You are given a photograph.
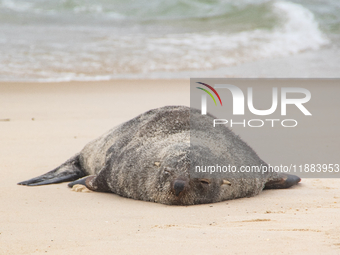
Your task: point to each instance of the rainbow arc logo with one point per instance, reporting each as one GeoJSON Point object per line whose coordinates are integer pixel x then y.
{"type": "Point", "coordinates": [209, 93]}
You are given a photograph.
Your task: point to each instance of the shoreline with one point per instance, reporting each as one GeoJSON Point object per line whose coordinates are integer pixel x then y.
{"type": "Point", "coordinates": [323, 63]}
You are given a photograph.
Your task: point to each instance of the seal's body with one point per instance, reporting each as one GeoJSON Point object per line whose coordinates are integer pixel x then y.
{"type": "Point", "coordinates": [150, 158]}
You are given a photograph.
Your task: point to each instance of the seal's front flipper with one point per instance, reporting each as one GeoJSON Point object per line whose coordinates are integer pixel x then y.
{"type": "Point", "coordinates": [81, 181]}
{"type": "Point", "coordinates": [88, 182]}
{"type": "Point", "coordinates": [93, 182]}
{"type": "Point", "coordinates": [69, 171]}
{"type": "Point", "coordinates": [285, 182]}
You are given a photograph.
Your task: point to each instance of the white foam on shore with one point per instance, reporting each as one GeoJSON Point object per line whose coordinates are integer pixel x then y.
{"type": "Point", "coordinates": [297, 32]}
{"type": "Point", "coordinates": [115, 56]}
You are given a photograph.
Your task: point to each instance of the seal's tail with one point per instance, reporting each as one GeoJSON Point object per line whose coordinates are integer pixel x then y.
{"type": "Point", "coordinates": [285, 181]}
{"type": "Point", "coordinates": [69, 171]}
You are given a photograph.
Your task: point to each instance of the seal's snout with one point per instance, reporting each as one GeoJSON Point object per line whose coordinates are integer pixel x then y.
{"type": "Point", "coordinates": [179, 186]}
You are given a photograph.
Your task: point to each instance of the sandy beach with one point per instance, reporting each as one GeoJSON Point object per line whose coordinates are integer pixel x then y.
{"type": "Point", "coordinates": [42, 125]}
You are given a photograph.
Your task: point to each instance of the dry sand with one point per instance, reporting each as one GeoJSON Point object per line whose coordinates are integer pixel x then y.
{"type": "Point", "coordinates": [48, 123]}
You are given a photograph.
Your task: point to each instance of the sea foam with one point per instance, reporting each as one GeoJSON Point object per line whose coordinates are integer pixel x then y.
{"type": "Point", "coordinates": [78, 50]}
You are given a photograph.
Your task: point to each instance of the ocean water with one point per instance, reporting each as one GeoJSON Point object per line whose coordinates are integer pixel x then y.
{"type": "Point", "coordinates": [62, 40]}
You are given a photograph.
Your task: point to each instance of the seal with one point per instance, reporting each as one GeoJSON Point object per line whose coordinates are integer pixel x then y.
{"type": "Point", "coordinates": [151, 158]}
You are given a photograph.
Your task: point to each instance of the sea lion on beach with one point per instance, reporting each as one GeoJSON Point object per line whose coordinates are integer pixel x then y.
{"type": "Point", "coordinates": [150, 158]}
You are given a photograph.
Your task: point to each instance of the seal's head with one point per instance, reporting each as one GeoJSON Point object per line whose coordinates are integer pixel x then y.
{"type": "Point", "coordinates": [176, 187]}
{"type": "Point", "coordinates": [180, 189]}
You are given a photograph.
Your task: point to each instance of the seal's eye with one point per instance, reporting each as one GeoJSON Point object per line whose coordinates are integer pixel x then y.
{"type": "Point", "coordinates": [167, 171]}
{"type": "Point", "coordinates": [205, 181]}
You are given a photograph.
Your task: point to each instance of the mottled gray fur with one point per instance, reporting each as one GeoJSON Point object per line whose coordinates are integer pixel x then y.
{"type": "Point", "coordinates": [146, 157]}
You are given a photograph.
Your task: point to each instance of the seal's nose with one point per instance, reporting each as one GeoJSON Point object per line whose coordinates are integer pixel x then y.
{"type": "Point", "coordinates": [179, 186]}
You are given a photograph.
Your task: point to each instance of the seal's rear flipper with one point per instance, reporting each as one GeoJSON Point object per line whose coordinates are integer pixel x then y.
{"type": "Point", "coordinates": [286, 181]}
{"type": "Point", "coordinates": [69, 171]}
